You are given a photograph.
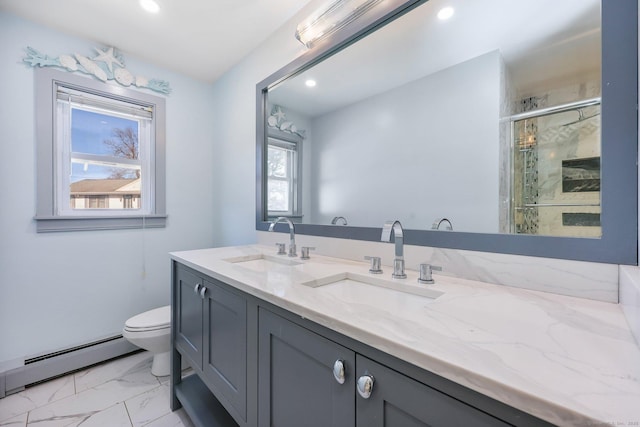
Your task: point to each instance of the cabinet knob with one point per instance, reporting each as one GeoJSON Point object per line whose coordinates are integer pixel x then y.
{"type": "Point", "coordinates": [197, 288]}
{"type": "Point", "coordinates": [203, 291]}
{"type": "Point", "coordinates": [365, 386]}
{"type": "Point", "coordinates": [338, 371]}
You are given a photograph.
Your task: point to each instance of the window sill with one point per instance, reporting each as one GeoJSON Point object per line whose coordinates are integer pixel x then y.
{"type": "Point", "coordinates": [86, 223]}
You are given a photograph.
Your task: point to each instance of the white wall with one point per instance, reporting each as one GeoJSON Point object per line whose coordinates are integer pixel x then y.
{"type": "Point", "coordinates": [399, 147]}
{"type": "Point", "coordinates": [234, 97]}
{"type": "Point", "coordinates": [61, 289]}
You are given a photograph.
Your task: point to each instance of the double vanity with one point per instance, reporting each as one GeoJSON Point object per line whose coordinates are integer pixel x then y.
{"type": "Point", "coordinates": [278, 340]}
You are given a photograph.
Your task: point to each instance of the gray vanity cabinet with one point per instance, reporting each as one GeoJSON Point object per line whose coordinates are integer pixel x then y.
{"type": "Point", "coordinates": [296, 383]}
{"type": "Point", "coordinates": [260, 365]}
{"type": "Point", "coordinates": [225, 345]}
{"type": "Point", "coordinates": [399, 401]}
{"type": "Point", "coordinates": [211, 332]}
{"type": "Point", "coordinates": [297, 386]}
{"type": "Point", "coordinates": [190, 309]}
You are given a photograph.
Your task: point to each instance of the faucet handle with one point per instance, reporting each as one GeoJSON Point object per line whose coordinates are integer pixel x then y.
{"type": "Point", "coordinates": [305, 252]}
{"type": "Point", "coordinates": [281, 250]}
{"type": "Point", "coordinates": [398, 268]}
{"type": "Point", "coordinates": [375, 267]}
{"type": "Point", "coordinates": [425, 273]}
{"type": "Point", "coordinates": [292, 250]}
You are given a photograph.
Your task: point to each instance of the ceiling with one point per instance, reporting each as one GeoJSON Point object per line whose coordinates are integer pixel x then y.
{"type": "Point", "coordinates": [199, 38]}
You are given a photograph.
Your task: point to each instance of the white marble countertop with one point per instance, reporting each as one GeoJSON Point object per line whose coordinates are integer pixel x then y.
{"type": "Point", "coordinates": [570, 361]}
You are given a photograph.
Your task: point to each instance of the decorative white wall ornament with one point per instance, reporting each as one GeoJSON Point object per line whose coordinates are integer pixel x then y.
{"type": "Point", "coordinates": [278, 120]}
{"type": "Point", "coordinates": [107, 65]}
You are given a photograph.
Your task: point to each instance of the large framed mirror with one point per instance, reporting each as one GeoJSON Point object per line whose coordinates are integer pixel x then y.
{"type": "Point", "coordinates": [510, 127]}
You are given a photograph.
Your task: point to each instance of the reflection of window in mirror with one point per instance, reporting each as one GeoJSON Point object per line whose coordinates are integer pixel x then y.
{"type": "Point", "coordinates": [283, 177]}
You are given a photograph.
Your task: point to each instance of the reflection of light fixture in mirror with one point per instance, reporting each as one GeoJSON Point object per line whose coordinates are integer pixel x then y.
{"type": "Point", "coordinates": [445, 13]}
{"type": "Point", "coordinates": [334, 16]}
{"type": "Point", "coordinates": [150, 6]}
{"type": "Point", "coordinates": [310, 83]}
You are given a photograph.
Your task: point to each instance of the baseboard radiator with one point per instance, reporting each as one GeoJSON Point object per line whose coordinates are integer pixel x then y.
{"type": "Point", "coordinates": [57, 363]}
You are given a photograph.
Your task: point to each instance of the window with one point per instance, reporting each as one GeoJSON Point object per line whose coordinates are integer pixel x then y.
{"type": "Point", "coordinates": [96, 202]}
{"type": "Point", "coordinates": [104, 149]}
{"type": "Point", "coordinates": [283, 183]}
{"type": "Point", "coordinates": [128, 201]}
{"type": "Point", "coordinates": [100, 155]}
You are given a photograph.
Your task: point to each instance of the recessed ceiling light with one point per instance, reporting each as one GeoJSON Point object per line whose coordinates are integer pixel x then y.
{"type": "Point", "coordinates": [445, 13]}
{"type": "Point", "coordinates": [150, 6]}
{"type": "Point", "coordinates": [310, 83]}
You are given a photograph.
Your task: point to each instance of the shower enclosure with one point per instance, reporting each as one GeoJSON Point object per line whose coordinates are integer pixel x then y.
{"type": "Point", "coordinates": [555, 170]}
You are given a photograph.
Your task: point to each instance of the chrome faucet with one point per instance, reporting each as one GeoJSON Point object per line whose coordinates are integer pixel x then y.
{"type": "Point", "coordinates": [398, 261]}
{"type": "Point", "coordinates": [292, 234]}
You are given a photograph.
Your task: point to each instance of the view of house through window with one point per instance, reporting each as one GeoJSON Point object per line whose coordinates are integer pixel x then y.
{"type": "Point", "coordinates": [102, 155]}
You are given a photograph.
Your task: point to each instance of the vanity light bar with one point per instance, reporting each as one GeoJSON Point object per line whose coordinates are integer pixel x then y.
{"type": "Point", "coordinates": [331, 18]}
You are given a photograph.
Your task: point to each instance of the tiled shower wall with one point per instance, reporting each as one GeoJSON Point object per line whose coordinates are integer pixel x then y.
{"type": "Point", "coordinates": [538, 169]}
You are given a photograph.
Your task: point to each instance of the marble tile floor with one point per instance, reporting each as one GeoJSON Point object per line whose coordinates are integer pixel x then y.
{"type": "Point", "coordinates": [120, 392]}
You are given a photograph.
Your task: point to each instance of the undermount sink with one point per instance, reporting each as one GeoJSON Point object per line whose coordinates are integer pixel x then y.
{"type": "Point", "coordinates": [357, 288]}
{"type": "Point", "coordinates": [262, 262]}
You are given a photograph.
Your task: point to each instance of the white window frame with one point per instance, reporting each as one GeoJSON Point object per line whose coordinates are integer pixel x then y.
{"type": "Point", "coordinates": [68, 100]}
{"type": "Point", "coordinates": [53, 211]}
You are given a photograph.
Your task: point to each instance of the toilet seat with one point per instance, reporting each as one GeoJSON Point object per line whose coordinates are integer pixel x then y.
{"type": "Point", "coordinates": [152, 320]}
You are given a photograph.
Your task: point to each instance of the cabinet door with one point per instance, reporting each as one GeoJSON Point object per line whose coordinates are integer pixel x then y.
{"type": "Point", "coordinates": [189, 320]}
{"type": "Point", "coordinates": [296, 383]}
{"type": "Point", "coordinates": [225, 346]}
{"type": "Point", "coordinates": [399, 401]}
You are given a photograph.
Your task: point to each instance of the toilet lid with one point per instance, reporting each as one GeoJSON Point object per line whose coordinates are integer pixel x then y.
{"type": "Point", "coordinates": [152, 319]}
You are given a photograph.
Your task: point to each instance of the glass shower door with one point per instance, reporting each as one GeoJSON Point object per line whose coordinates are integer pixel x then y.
{"type": "Point", "coordinates": [556, 172]}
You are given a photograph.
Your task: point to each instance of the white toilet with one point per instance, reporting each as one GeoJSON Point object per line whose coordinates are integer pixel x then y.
{"type": "Point", "coordinates": [151, 331]}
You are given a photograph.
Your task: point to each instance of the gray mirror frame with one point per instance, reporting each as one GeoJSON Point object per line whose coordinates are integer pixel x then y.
{"type": "Point", "coordinates": [619, 184]}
